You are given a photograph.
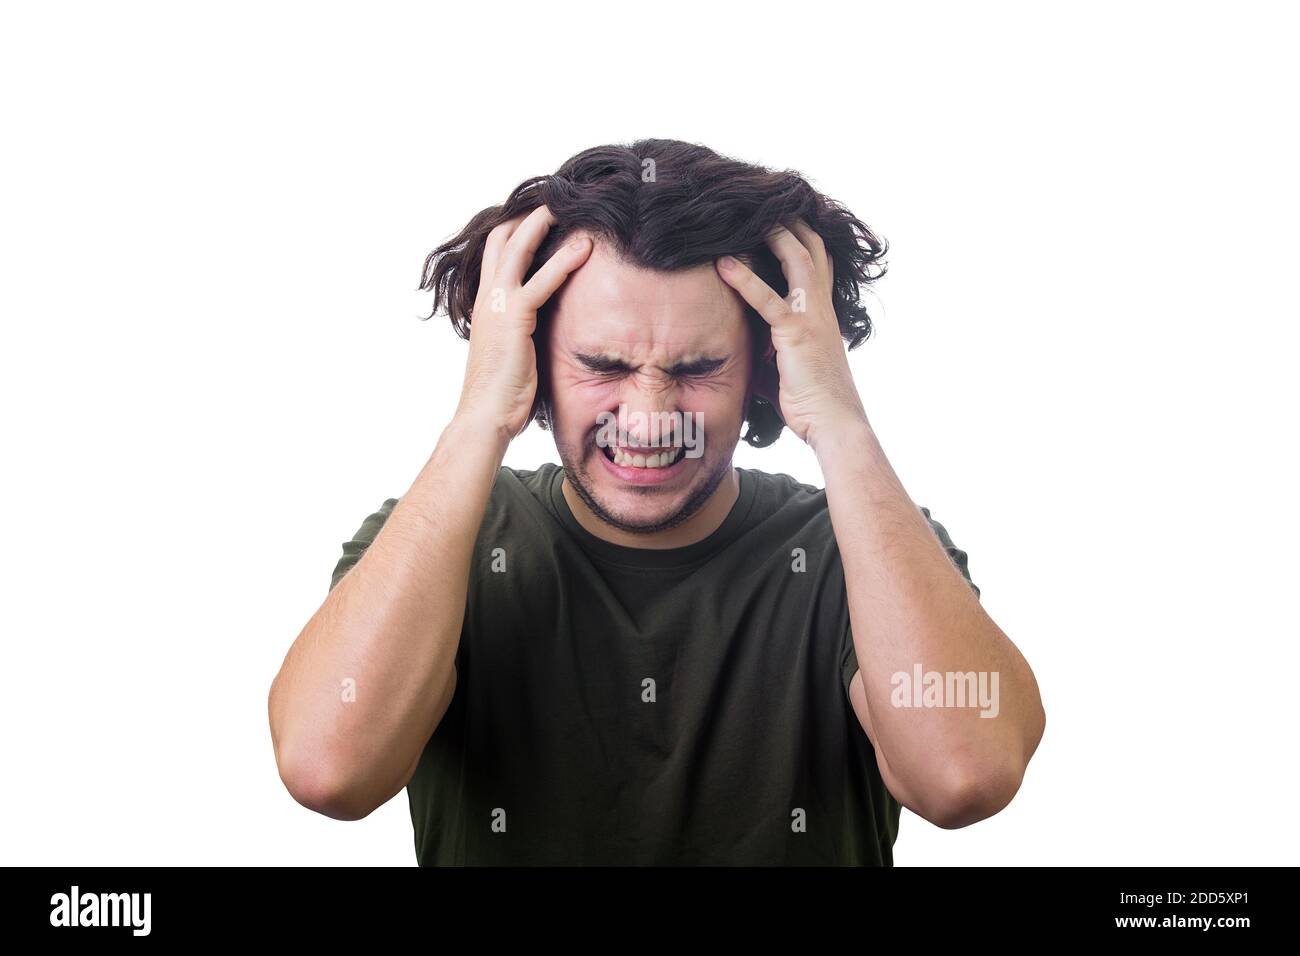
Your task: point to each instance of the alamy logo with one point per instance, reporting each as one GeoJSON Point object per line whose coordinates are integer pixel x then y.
{"type": "Point", "coordinates": [653, 430]}
{"type": "Point", "coordinates": [946, 689]}
{"type": "Point", "coordinates": [101, 909]}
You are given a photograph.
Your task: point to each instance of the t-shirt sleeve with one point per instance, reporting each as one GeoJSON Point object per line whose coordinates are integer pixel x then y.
{"type": "Point", "coordinates": [957, 555]}
{"type": "Point", "coordinates": [848, 657]}
{"type": "Point", "coordinates": [354, 549]}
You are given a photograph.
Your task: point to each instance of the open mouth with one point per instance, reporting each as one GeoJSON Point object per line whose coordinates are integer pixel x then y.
{"type": "Point", "coordinates": [643, 457]}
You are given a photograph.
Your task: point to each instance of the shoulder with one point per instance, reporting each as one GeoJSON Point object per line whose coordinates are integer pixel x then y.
{"type": "Point", "coordinates": [535, 481]}
{"type": "Point", "coordinates": [781, 483]}
{"type": "Point", "coordinates": [516, 492]}
{"type": "Point", "coordinates": [782, 498]}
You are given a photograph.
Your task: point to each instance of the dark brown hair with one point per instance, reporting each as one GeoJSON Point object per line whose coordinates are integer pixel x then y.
{"type": "Point", "coordinates": [666, 205]}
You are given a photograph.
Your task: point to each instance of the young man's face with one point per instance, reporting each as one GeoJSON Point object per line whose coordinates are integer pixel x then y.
{"type": "Point", "coordinates": [649, 342]}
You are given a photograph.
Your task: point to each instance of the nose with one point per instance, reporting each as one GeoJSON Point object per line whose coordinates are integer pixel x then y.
{"type": "Point", "coordinates": [650, 401]}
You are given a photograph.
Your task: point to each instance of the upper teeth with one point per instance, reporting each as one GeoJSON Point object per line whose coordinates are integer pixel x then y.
{"type": "Point", "coordinates": [639, 460]}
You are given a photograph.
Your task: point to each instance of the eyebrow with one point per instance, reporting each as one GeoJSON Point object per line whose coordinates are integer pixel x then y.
{"type": "Point", "coordinates": [609, 363]}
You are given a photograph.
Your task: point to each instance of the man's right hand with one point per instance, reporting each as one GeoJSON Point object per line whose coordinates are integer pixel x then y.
{"type": "Point", "coordinates": [501, 371]}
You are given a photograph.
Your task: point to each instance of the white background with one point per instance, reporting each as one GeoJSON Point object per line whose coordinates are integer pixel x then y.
{"type": "Point", "coordinates": [213, 221]}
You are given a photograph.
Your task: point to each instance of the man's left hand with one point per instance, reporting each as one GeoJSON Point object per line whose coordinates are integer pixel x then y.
{"type": "Point", "coordinates": [817, 396]}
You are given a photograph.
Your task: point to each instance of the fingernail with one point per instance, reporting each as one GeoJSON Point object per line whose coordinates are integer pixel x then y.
{"type": "Point", "coordinates": [726, 262]}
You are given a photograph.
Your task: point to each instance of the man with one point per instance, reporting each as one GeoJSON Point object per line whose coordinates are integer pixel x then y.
{"type": "Point", "coordinates": [647, 655]}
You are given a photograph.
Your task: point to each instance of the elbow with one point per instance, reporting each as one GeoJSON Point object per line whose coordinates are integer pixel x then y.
{"type": "Point", "coordinates": [313, 783]}
{"type": "Point", "coordinates": [975, 794]}
{"type": "Point", "coordinates": [311, 776]}
{"type": "Point", "coordinates": [977, 790]}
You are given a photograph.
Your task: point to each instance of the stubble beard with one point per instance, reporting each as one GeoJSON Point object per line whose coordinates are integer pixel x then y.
{"type": "Point", "coordinates": [575, 470]}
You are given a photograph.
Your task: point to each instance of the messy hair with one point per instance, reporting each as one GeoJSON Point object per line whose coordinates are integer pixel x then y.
{"type": "Point", "coordinates": [665, 205]}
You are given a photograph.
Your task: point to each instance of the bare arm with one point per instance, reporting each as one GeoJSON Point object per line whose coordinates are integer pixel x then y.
{"type": "Point", "coordinates": [909, 606]}
{"type": "Point", "coordinates": [392, 625]}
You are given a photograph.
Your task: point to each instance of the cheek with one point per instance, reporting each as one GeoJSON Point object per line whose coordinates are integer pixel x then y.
{"type": "Point", "coordinates": [580, 401]}
{"type": "Point", "coordinates": [718, 403]}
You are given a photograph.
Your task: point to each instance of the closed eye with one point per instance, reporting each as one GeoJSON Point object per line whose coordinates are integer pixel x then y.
{"type": "Point", "coordinates": [697, 369]}
{"type": "Point", "coordinates": [602, 365]}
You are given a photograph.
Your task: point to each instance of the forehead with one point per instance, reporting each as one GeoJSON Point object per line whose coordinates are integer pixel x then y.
{"type": "Point", "coordinates": [609, 307]}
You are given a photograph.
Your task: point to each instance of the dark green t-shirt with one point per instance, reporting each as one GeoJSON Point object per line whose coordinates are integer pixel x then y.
{"type": "Point", "coordinates": [619, 705]}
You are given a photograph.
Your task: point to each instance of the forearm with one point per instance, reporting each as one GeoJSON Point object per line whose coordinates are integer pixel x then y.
{"type": "Point", "coordinates": [389, 630]}
{"type": "Point", "coordinates": [909, 605]}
